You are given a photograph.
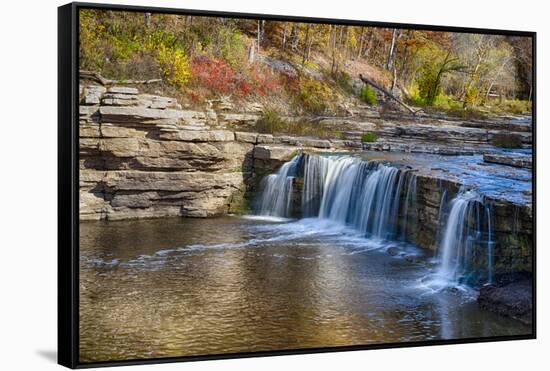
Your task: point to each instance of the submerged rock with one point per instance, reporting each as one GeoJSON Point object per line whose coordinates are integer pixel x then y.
{"type": "Point", "coordinates": [513, 299]}
{"type": "Point", "coordinates": [393, 250]}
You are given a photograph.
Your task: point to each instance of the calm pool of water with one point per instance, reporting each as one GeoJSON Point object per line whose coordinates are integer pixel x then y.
{"type": "Point", "coordinates": [177, 287]}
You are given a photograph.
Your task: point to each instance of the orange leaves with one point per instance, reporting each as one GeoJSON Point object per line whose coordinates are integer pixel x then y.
{"type": "Point", "coordinates": [219, 77]}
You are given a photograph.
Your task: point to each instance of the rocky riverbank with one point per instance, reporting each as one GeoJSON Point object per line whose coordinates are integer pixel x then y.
{"type": "Point", "coordinates": [144, 155]}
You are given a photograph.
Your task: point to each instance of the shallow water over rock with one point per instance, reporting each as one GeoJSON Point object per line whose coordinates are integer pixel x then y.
{"type": "Point", "coordinates": [176, 287]}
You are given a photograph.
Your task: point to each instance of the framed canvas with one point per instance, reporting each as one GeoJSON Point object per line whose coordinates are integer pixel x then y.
{"type": "Point", "coordinates": [237, 185]}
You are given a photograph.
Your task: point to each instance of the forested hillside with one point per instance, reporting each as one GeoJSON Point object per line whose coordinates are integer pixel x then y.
{"type": "Point", "coordinates": [309, 68]}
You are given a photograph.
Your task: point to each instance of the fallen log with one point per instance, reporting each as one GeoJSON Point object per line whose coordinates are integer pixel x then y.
{"type": "Point", "coordinates": [103, 81]}
{"type": "Point", "coordinates": [384, 91]}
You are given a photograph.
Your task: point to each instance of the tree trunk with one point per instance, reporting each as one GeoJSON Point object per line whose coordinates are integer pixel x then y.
{"type": "Point", "coordinates": [294, 37]}
{"type": "Point", "coordinates": [389, 62]}
{"type": "Point", "coordinates": [360, 43]}
{"type": "Point", "coordinates": [91, 75]}
{"type": "Point", "coordinates": [306, 43]}
{"type": "Point", "coordinates": [369, 42]}
{"type": "Point", "coordinates": [259, 35]}
{"type": "Point", "coordinates": [283, 43]}
{"type": "Point", "coordinates": [251, 52]}
{"type": "Point", "coordinates": [366, 80]}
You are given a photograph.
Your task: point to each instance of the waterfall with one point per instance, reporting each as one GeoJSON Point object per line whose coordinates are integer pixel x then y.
{"type": "Point", "coordinates": [277, 190]}
{"type": "Point", "coordinates": [364, 195]}
{"type": "Point", "coordinates": [466, 226]}
{"type": "Point", "coordinates": [315, 172]}
{"type": "Point", "coordinates": [490, 243]}
{"type": "Point", "coordinates": [379, 201]}
{"type": "Point", "coordinates": [410, 206]}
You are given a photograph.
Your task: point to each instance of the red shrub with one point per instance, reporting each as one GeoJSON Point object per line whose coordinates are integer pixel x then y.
{"type": "Point", "coordinates": [265, 81]}
{"type": "Point", "coordinates": [218, 76]}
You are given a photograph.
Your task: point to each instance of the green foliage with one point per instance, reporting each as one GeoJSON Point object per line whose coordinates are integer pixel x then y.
{"type": "Point", "coordinates": [314, 96]}
{"type": "Point", "coordinates": [414, 97]}
{"type": "Point", "coordinates": [471, 95]}
{"type": "Point", "coordinates": [368, 95]}
{"type": "Point", "coordinates": [446, 102]}
{"type": "Point", "coordinates": [271, 122]}
{"type": "Point", "coordinates": [443, 67]}
{"type": "Point", "coordinates": [369, 137]}
{"type": "Point", "coordinates": [343, 80]}
{"type": "Point", "coordinates": [468, 113]}
{"type": "Point", "coordinates": [515, 106]}
{"type": "Point", "coordinates": [428, 86]}
{"type": "Point", "coordinates": [507, 141]}
{"type": "Point", "coordinates": [92, 56]}
{"type": "Point", "coordinates": [232, 47]}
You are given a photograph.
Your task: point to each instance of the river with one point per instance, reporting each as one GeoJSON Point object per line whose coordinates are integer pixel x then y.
{"type": "Point", "coordinates": [179, 287]}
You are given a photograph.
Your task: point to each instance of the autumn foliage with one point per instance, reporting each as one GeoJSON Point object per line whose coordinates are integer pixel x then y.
{"type": "Point", "coordinates": [312, 68]}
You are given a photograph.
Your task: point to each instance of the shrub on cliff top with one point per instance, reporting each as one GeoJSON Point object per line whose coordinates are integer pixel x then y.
{"type": "Point", "coordinates": [271, 122]}
{"type": "Point", "coordinates": [313, 96]}
{"type": "Point", "coordinates": [369, 137]}
{"type": "Point", "coordinates": [368, 95]}
{"type": "Point", "coordinates": [218, 76]}
{"type": "Point", "coordinates": [174, 65]}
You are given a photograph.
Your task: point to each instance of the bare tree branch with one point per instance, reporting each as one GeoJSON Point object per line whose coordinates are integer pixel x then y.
{"type": "Point", "coordinates": [368, 81]}
{"type": "Point", "coordinates": [103, 81]}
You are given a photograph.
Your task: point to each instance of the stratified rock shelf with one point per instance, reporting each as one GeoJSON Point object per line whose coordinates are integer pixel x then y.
{"type": "Point", "coordinates": [145, 156]}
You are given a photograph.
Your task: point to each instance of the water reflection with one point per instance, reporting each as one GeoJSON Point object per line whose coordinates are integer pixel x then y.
{"type": "Point", "coordinates": [175, 287]}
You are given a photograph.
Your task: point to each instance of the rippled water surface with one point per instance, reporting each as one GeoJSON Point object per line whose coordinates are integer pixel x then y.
{"type": "Point", "coordinates": [178, 287]}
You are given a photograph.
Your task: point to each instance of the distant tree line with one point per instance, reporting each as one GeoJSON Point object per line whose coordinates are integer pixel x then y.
{"type": "Point", "coordinates": [431, 68]}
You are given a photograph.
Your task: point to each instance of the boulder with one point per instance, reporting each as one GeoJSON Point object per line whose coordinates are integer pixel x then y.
{"type": "Point", "coordinates": [92, 94]}
{"type": "Point", "coordinates": [239, 118]}
{"type": "Point", "coordinates": [264, 138]}
{"type": "Point", "coordinates": [513, 300]}
{"type": "Point", "coordinates": [314, 143]}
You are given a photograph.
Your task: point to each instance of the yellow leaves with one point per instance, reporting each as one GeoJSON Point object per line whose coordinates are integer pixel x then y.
{"type": "Point", "coordinates": [174, 65]}
{"type": "Point", "coordinates": [314, 96]}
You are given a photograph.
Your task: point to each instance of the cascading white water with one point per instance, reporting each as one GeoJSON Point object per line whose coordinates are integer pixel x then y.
{"type": "Point", "coordinates": [410, 206]}
{"type": "Point", "coordinates": [367, 196]}
{"type": "Point", "coordinates": [380, 201]}
{"type": "Point", "coordinates": [364, 195]}
{"type": "Point", "coordinates": [315, 173]}
{"type": "Point", "coordinates": [276, 196]}
{"type": "Point", "coordinates": [490, 242]}
{"type": "Point", "coordinates": [465, 227]}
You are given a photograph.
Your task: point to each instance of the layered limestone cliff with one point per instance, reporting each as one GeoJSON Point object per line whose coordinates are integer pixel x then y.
{"type": "Point", "coordinates": [143, 155]}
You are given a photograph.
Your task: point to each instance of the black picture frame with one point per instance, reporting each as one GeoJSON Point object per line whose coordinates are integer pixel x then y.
{"type": "Point", "coordinates": [68, 183]}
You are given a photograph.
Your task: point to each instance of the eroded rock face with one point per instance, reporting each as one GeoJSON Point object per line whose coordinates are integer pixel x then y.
{"type": "Point", "coordinates": [142, 155]}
